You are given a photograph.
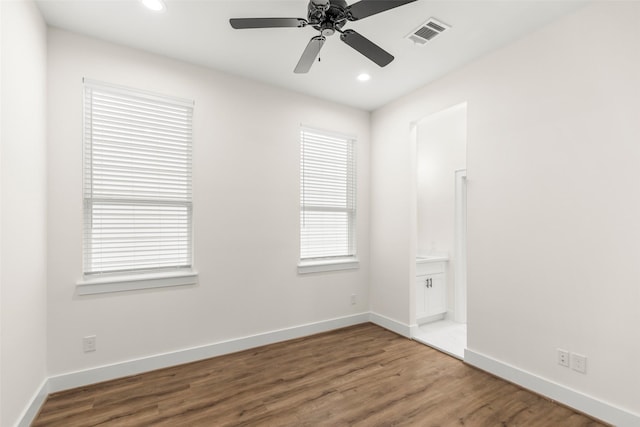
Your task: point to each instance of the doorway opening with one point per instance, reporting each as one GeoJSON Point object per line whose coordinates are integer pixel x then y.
{"type": "Point", "coordinates": [441, 314]}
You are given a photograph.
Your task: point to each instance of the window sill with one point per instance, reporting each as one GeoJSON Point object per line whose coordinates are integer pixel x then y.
{"type": "Point", "coordinates": [103, 285]}
{"type": "Point", "coordinates": [305, 267]}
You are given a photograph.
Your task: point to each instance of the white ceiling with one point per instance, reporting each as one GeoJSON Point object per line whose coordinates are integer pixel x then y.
{"type": "Point", "coordinates": [198, 31]}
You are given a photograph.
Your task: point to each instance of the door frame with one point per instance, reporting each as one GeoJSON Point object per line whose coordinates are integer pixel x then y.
{"type": "Point", "coordinates": [460, 247]}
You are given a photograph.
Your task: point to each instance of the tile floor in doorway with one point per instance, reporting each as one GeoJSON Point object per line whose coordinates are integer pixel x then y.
{"type": "Point", "coordinates": [444, 335]}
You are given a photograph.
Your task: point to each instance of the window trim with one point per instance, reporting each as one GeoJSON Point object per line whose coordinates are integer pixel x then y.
{"type": "Point", "coordinates": [319, 266]}
{"type": "Point", "coordinates": [132, 282]}
{"type": "Point", "coordinates": [99, 283]}
{"type": "Point", "coordinates": [335, 263]}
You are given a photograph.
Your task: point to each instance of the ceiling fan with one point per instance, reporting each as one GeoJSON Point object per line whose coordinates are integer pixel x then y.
{"type": "Point", "coordinates": [329, 16]}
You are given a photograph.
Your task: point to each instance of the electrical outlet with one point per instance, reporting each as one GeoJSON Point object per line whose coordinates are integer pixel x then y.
{"type": "Point", "coordinates": [563, 357]}
{"type": "Point", "coordinates": [89, 343]}
{"type": "Point", "coordinates": [579, 363]}
{"type": "Point", "coordinates": [353, 299]}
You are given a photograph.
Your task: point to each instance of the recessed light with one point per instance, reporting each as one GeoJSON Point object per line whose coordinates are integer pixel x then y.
{"type": "Point", "coordinates": [155, 5]}
{"type": "Point", "coordinates": [364, 77]}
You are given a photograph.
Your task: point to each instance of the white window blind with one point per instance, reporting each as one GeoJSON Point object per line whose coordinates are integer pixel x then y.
{"type": "Point", "coordinates": [328, 196]}
{"type": "Point", "coordinates": [137, 181]}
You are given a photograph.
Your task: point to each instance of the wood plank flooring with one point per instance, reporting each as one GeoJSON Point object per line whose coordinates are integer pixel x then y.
{"type": "Point", "coordinates": [358, 376]}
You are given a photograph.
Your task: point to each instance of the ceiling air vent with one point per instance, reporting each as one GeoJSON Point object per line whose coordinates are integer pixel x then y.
{"type": "Point", "coordinates": [427, 31]}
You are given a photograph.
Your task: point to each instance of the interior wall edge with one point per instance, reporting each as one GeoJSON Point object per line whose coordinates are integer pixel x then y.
{"type": "Point", "coordinates": [390, 324]}
{"type": "Point", "coordinates": [31, 411]}
{"type": "Point", "coordinates": [23, 285]}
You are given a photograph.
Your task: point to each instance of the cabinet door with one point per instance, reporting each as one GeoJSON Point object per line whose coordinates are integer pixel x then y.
{"type": "Point", "coordinates": [421, 296]}
{"type": "Point", "coordinates": [436, 295]}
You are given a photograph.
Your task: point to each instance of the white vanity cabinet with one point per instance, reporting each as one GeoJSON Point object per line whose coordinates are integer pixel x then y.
{"type": "Point", "coordinates": [431, 288]}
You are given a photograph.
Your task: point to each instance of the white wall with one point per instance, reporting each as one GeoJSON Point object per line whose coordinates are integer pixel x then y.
{"type": "Point", "coordinates": [553, 202]}
{"type": "Point", "coordinates": [23, 208]}
{"type": "Point", "coordinates": [246, 212]}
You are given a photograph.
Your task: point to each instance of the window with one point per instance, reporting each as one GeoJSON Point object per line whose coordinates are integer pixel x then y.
{"type": "Point", "coordinates": [328, 201]}
{"type": "Point", "coordinates": [137, 189]}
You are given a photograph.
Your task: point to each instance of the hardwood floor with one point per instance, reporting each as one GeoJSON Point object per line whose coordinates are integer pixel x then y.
{"type": "Point", "coordinates": [358, 376]}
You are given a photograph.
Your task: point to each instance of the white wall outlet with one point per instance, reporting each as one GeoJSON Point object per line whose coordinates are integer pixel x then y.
{"type": "Point", "coordinates": [563, 357]}
{"type": "Point", "coordinates": [579, 363]}
{"type": "Point", "coordinates": [89, 343]}
{"type": "Point", "coordinates": [353, 299]}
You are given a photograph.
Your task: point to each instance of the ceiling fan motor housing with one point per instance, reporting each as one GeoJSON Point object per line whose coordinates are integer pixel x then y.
{"type": "Point", "coordinates": [327, 16]}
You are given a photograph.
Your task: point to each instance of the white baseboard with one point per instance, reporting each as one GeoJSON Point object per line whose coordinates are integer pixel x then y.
{"type": "Point", "coordinates": [572, 398]}
{"type": "Point", "coordinates": [159, 361]}
{"type": "Point", "coordinates": [32, 410]}
{"type": "Point", "coordinates": [413, 330]}
{"type": "Point", "coordinates": [562, 394]}
{"type": "Point", "coordinates": [390, 324]}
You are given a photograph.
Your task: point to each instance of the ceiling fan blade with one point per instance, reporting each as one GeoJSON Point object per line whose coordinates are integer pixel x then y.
{"type": "Point", "coordinates": [244, 23]}
{"type": "Point", "coordinates": [365, 8]}
{"type": "Point", "coordinates": [309, 55]}
{"type": "Point", "coordinates": [366, 47]}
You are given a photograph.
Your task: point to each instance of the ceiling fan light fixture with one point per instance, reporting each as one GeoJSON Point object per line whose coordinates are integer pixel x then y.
{"type": "Point", "coordinates": [363, 77]}
{"type": "Point", "coordinates": [155, 5]}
